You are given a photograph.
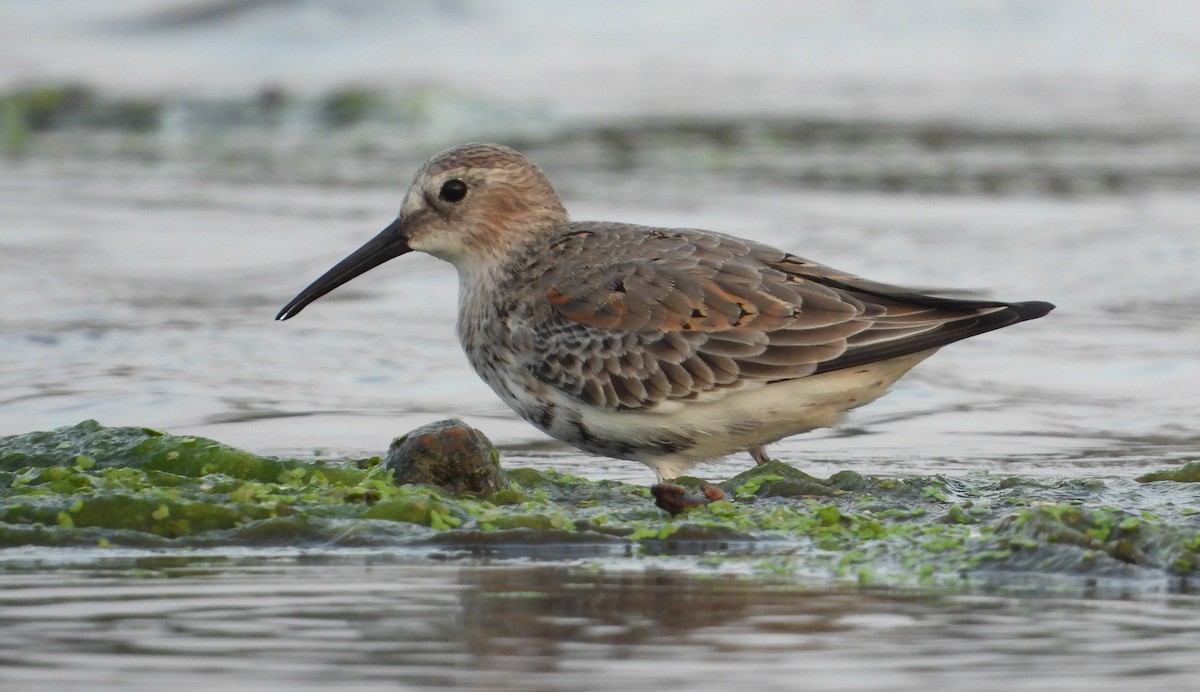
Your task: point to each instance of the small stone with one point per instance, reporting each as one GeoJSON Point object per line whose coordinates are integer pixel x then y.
{"type": "Point", "coordinates": [448, 454]}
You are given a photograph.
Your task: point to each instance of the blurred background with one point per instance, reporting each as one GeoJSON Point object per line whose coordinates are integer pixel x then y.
{"type": "Point", "coordinates": [172, 172]}
{"type": "Point", "coordinates": [175, 170]}
{"type": "Point", "coordinates": [992, 60]}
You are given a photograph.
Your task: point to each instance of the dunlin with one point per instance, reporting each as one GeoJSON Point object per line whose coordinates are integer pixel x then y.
{"type": "Point", "coordinates": [661, 345]}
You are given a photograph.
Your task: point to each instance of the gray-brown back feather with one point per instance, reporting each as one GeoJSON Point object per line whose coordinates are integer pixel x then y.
{"type": "Point", "coordinates": [627, 316]}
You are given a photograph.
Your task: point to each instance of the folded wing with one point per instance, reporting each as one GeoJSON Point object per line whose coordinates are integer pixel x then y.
{"type": "Point", "coordinates": [684, 315]}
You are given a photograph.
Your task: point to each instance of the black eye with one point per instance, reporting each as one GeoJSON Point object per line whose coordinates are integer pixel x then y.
{"type": "Point", "coordinates": [453, 190]}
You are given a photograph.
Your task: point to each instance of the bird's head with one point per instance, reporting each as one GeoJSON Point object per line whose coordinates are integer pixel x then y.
{"type": "Point", "coordinates": [471, 205]}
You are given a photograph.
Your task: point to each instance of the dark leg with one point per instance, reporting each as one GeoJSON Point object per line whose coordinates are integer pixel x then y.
{"type": "Point", "coordinates": [760, 455]}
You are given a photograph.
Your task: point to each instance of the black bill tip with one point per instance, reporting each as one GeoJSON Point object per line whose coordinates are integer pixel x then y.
{"type": "Point", "coordinates": [390, 243]}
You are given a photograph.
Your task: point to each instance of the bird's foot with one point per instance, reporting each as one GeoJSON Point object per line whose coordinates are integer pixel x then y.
{"type": "Point", "coordinates": [675, 499]}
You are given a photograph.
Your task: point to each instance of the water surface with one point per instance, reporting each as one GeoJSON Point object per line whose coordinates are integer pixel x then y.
{"type": "Point", "coordinates": [383, 622]}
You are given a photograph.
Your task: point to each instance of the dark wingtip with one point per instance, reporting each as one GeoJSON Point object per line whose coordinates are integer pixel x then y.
{"type": "Point", "coordinates": [950, 332]}
{"type": "Point", "coordinates": [1031, 310]}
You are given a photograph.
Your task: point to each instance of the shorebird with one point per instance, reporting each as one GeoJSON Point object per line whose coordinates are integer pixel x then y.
{"type": "Point", "coordinates": [665, 346]}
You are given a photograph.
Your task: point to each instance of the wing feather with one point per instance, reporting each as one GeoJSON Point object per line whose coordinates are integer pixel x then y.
{"type": "Point", "coordinates": [635, 316]}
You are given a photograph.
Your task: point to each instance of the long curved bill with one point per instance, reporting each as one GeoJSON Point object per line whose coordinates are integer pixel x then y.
{"type": "Point", "coordinates": [390, 243]}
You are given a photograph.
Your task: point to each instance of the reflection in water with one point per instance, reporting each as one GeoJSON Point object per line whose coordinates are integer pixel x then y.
{"type": "Point", "coordinates": [370, 621]}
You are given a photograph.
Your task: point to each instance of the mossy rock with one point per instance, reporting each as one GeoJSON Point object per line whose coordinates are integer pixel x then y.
{"type": "Point", "coordinates": [447, 454]}
{"type": "Point", "coordinates": [1188, 473]}
{"type": "Point", "coordinates": [777, 479]}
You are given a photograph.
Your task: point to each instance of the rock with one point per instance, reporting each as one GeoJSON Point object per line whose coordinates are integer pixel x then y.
{"type": "Point", "coordinates": [777, 479]}
{"type": "Point", "coordinates": [449, 454]}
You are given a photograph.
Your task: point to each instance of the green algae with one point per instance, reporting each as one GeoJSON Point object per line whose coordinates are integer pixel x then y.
{"type": "Point", "coordinates": [1188, 473]}
{"type": "Point", "coordinates": [90, 485]}
{"type": "Point", "coordinates": [349, 106]}
{"type": "Point", "coordinates": [46, 107]}
{"type": "Point", "coordinates": [915, 156]}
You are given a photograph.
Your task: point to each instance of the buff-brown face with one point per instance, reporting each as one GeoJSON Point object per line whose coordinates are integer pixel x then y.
{"type": "Point", "coordinates": [466, 205]}
{"type": "Point", "coordinates": [470, 206]}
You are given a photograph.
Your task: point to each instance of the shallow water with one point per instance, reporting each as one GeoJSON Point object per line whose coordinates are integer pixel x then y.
{"type": "Point", "coordinates": [384, 622]}
{"type": "Point", "coordinates": [139, 275]}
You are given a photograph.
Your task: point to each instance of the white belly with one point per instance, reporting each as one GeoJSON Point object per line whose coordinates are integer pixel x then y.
{"type": "Point", "coordinates": [731, 421]}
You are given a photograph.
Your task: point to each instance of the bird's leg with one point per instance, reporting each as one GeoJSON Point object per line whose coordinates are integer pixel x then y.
{"type": "Point", "coordinates": [760, 455]}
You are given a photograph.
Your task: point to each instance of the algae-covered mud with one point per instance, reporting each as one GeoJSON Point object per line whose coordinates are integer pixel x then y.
{"type": "Point", "coordinates": [97, 487]}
